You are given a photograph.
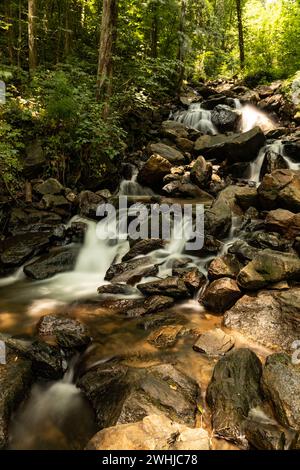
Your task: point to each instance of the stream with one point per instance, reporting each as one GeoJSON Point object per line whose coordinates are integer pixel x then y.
{"type": "Point", "coordinates": [56, 415]}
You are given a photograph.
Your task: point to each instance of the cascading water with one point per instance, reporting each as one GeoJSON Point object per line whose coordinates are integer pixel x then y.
{"type": "Point", "coordinates": [56, 415]}
{"type": "Point", "coordinates": [196, 118]}
{"type": "Point", "coordinates": [276, 147]}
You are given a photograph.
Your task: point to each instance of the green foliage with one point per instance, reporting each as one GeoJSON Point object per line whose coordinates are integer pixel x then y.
{"type": "Point", "coordinates": [10, 146]}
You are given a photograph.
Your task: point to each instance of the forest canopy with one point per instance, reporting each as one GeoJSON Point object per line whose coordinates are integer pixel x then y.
{"type": "Point", "coordinates": [76, 69]}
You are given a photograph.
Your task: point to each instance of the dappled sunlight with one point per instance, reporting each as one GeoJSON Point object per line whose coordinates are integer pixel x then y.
{"type": "Point", "coordinates": [252, 117]}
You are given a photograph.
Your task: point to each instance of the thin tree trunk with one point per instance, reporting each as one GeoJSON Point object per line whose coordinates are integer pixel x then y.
{"type": "Point", "coordinates": [241, 33]}
{"type": "Point", "coordinates": [106, 48]}
{"type": "Point", "coordinates": [154, 29]}
{"type": "Point", "coordinates": [182, 45]}
{"type": "Point", "coordinates": [10, 32]}
{"type": "Point", "coordinates": [32, 58]}
{"type": "Point", "coordinates": [19, 35]}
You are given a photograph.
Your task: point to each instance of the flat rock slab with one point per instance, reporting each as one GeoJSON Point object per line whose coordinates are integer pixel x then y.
{"type": "Point", "coordinates": [166, 336]}
{"type": "Point", "coordinates": [214, 343]}
{"type": "Point", "coordinates": [154, 432]}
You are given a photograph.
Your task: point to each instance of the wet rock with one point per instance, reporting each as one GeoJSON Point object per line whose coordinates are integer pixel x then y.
{"type": "Point", "coordinates": [281, 384]}
{"type": "Point", "coordinates": [67, 332]}
{"type": "Point", "coordinates": [201, 172]}
{"type": "Point", "coordinates": [188, 190]}
{"type": "Point", "coordinates": [233, 148]}
{"type": "Point", "coordinates": [214, 101]}
{"type": "Point", "coordinates": [116, 289]}
{"type": "Point", "coordinates": [26, 220]}
{"type": "Point", "coordinates": [284, 222]}
{"type": "Point", "coordinates": [18, 249]}
{"type": "Point", "coordinates": [262, 240]}
{"type": "Point", "coordinates": [234, 389]}
{"type": "Point", "coordinates": [192, 277]}
{"type": "Point", "coordinates": [143, 247]}
{"type": "Point", "coordinates": [122, 395]}
{"type": "Point", "coordinates": [46, 359]}
{"type": "Point", "coordinates": [105, 387]}
{"type": "Point", "coordinates": [15, 381]}
{"type": "Point", "coordinates": [221, 295]}
{"type": "Point", "coordinates": [272, 161]}
{"type": "Point", "coordinates": [174, 130]}
{"type": "Point", "coordinates": [224, 266]}
{"type": "Point", "coordinates": [166, 336]}
{"type": "Point", "coordinates": [271, 103]}
{"type": "Point", "coordinates": [185, 145]}
{"type": "Point", "coordinates": [171, 286]}
{"type": "Point", "coordinates": [263, 433]}
{"type": "Point", "coordinates": [89, 203]}
{"type": "Point", "coordinates": [153, 171]}
{"type": "Point", "coordinates": [268, 267]}
{"type": "Point", "coordinates": [168, 317]}
{"type": "Point", "coordinates": [214, 343]}
{"type": "Point", "coordinates": [131, 271]}
{"type": "Point", "coordinates": [243, 251]}
{"type": "Point", "coordinates": [154, 432]}
{"type": "Point", "coordinates": [50, 186]}
{"type": "Point", "coordinates": [155, 303]}
{"type": "Point", "coordinates": [247, 197]}
{"type": "Point", "coordinates": [169, 153]}
{"type": "Point", "coordinates": [55, 262]}
{"type": "Point", "coordinates": [269, 318]}
{"type": "Point", "coordinates": [218, 218]}
{"type": "Point", "coordinates": [225, 118]}
{"type": "Point", "coordinates": [280, 189]}
{"type": "Point", "coordinates": [34, 159]}
{"type": "Point", "coordinates": [55, 201]}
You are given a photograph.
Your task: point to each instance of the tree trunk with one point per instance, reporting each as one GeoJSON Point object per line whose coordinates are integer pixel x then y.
{"type": "Point", "coordinates": [106, 48]}
{"type": "Point", "coordinates": [10, 32]}
{"type": "Point", "coordinates": [19, 35]}
{"type": "Point", "coordinates": [32, 58]}
{"type": "Point", "coordinates": [241, 32]}
{"type": "Point", "coordinates": [182, 45]}
{"type": "Point", "coordinates": [154, 29]}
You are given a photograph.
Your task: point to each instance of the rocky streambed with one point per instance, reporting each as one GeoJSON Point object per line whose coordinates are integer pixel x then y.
{"type": "Point", "coordinates": [123, 344]}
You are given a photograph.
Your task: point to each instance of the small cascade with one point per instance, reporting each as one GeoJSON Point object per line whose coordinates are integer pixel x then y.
{"type": "Point", "coordinates": [276, 147]}
{"type": "Point", "coordinates": [56, 415]}
{"type": "Point", "coordinates": [132, 188]}
{"type": "Point", "coordinates": [196, 118]}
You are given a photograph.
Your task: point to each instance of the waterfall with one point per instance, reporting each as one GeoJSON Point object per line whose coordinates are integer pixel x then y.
{"type": "Point", "coordinates": [196, 118]}
{"type": "Point", "coordinates": [276, 147]}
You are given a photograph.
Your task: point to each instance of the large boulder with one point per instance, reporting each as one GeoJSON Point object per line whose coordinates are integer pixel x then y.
{"type": "Point", "coordinates": [232, 147]}
{"type": "Point", "coordinates": [281, 384]}
{"type": "Point", "coordinates": [272, 161]}
{"type": "Point", "coordinates": [18, 249]}
{"type": "Point", "coordinates": [284, 222]}
{"type": "Point", "coordinates": [218, 218]}
{"type": "Point", "coordinates": [174, 130]}
{"type": "Point", "coordinates": [153, 171]}
{"type": "Point", "coordinates": [171, 154]}
{"type": "Point", "coordinates": [65, 331]}
{"type": "Point", "coordinates": [280, 189]}
{"type": "Point", "coordinates": [269, 318]}
{"type": "Point", "coordinates": [121, 395]}
{"type": "Point", "coordinates": [225, 118]}
{"type": "Point", "coordinates": [269, 266]}
{"type": "Point", "coordinates": [131, 271]}
{"type": "Point", "coordinates": [171, 286]}
{"type": "Point", "coordinates": [221, 295]}
{"type": "Point", "coordinates": [224, 266]}
{"type": "Point", "coordinates": [154, 432]}
{"type": "Point", "coordinates": [32, 220]}
{"type": "Point", "coordinates": [233, 391]}
{"type": "Point", "coordinates": [46, 359]}
{"type": "Point", "coordinates": [55, 262]}
{"type": "Point", "coordinates": [50, 186]}
{"type": "Point", "coordinates": [15, 381]}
